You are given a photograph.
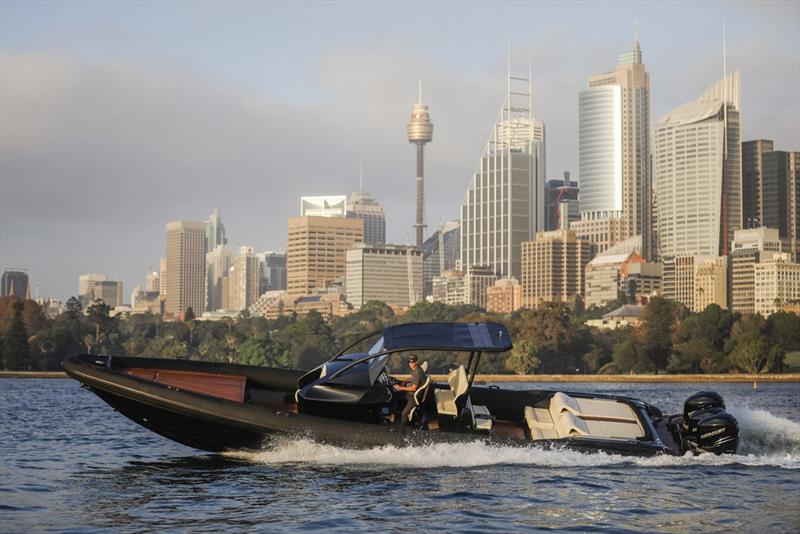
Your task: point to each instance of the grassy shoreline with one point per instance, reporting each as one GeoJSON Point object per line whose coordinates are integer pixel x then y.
{"type": "Point", "coordinates": [784, 377]}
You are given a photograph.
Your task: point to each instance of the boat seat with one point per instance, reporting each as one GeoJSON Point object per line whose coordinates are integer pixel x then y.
{"type": "Point", "coordinates": [446, 398]}
{"type": "Point", "coordinates": [540, 423]}
{"type": "Point", "coordinates": [483, 418]}
{"type": "Point", "coordinates": [591, 408]}
{"type": "Point", "coordinates": [420, 396]}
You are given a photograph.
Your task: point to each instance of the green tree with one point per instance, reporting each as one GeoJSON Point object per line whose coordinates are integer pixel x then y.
{"type": "Point", "coordinates": [17, 350]}
{"type": "Point", "coordinates": [699, 342]}
{"type": "Point", "coordinates": [784, 329]}
{"type": "Point", "coordinates": [660, 318]}
{"type": "Point", "coordinates": [188, 315]}
{"type": "Point", "coordinates": [755, 353]}
{"type": "Point", "coordinates": [73, 308]}
{"type": "Point", "coordinates": [630, 357]}
{"type": "Point", "coordinates": [523, 360]}
{"type": "Point", "coordinates": [262, 351]}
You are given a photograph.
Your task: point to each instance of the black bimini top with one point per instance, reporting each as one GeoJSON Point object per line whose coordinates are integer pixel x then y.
{"type": "Point", "coordinates": [486, 337]}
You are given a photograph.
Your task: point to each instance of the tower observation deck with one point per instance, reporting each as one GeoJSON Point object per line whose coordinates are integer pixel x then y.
{"type": "Point", "coordinates": [420, 131]}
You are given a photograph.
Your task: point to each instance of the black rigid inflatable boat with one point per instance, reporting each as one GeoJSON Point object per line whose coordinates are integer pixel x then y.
{"type": "Point", "coordinates": [350, 401]}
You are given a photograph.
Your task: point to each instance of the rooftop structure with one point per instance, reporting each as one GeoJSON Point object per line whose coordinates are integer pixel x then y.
{"type": "Point", "coordinates": [324, 206]}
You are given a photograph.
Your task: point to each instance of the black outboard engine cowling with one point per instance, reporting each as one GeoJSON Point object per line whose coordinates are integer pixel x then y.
{"type": "Point", "coordinates": [702, 401]}
{"type": "Point", "coordinates": [707, 427]}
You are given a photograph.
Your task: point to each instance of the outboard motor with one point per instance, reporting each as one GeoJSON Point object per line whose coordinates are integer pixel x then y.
{"type": "Point", "coordinates": [706, 426]}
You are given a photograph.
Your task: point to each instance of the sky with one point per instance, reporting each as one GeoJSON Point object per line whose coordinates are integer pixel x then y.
{"type": "Point", "coordinates": [118, 117]}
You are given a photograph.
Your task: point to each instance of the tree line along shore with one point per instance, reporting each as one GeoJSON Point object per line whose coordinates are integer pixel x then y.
{"type": "Point", "coordinates": [551, 340]}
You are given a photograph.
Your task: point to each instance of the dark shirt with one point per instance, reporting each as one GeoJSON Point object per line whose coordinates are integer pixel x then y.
{"type": "Point", "coordinates": [417, 377]}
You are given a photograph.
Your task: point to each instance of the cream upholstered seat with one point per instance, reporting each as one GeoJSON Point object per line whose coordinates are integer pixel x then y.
{"type": "Point", "coordinates": [591, 408]}
{"type": "Point", "coordinates": [446, 398]}
{"type": "Point", "coordinates": [571, 417]}
{"type": "Point", "coordinates": [420, 396]}
{"type": "Point", "coordinates": [482, 417]}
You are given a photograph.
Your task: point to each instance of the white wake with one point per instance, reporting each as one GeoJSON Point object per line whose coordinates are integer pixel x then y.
{"type": "Point", "coordinates": [766, 440]}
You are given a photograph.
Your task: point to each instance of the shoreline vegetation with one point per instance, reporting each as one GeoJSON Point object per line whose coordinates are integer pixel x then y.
{"type": "Point", "coordinates": [550, 341]}
{"type": "Point", "coordinates": [486, 378]}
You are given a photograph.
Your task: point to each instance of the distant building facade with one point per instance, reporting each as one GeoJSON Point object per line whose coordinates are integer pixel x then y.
{"type": "Point", "coordinates": [557, 192]}
{"type": "Point", "coordinates": [15, 283]}
{"type": "Point", "coordinates": [777, 283]}
{"type": "Point", "coordinates": [440, 253]}
{"type": "Point", "coordinates": [458, 287]}
{"type": "Point", "coordinates": [388, 273]}
{"type": "Point", "coordinates": [504, 204]}
{"type": "Point", "coordinates": [243, 280]}
{"type": "Point", "coordinates": [185, 267]}
{"type": "Point", "coordinates": [698, 173]}
{"type": "Point", "coordinates": [324, 206]}
{"type": "Point", "coordinates": [93, 286]}
{"type": "Point", "coordinates": [273, 271]}
{"type": "Point", "coordinates": [317, 251]}
{"type": "Point", "coordinates": [363, 206]}
{"type": "Point", "coordinates": [614, 146]}
{"type": "Point", "coordinates": [710, 283]}
{"type": "Point", "coordinates": [505, 296]}
{"type": "Point", "coordinates": [553, 267]}
{"type": "Point", "coordinates": [218, 264]}
{"type": "Point", "coordinates": [620, 276]}
{"type": "Point", "coordinates": [750, 247]}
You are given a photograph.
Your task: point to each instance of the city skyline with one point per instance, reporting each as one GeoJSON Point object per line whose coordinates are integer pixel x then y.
{"type": "Point", "coordinates": [50, 225]}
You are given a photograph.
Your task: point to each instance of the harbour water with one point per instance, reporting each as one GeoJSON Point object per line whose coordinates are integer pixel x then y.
{"type": "Point", "coordinates": [69, 463]}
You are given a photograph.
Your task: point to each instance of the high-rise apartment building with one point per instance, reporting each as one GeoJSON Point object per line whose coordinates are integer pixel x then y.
{"type": "Point", "coordinates": [505, 296]}
{"type": "Point", "coordinates": [440, 253]}
{"type": "Point", "coordinates": [749, 247]}
{"type": "Point", "coordinates": [777, 282]}
{"type": "Point", "coordinates": [273, 271]}
{"type": "Point", "coordinates": [324, 206]}
{"type": "Point", "coordinates": [218, 264]}
{"type": "Point", "coordinates": [317, 251]}
{"type": "Point", "coordinates": [553, 267]}
{"type": "Point", "coordinates": [186, 267]}
{"type": "Point", "coordinates": [504, 205]}
{"type": "Point", "coordinates": [614, 152]}
{"type": "Point", "coordinates": [363, 206]}
{"type": "Point", "coordinates": [388, 273]}
{"type": "Point", "coordinates": [15, 283]}
{"type": "Point", "coordinates": [243, 280]}
{"type": "Point", "coordinates": [698, 173]}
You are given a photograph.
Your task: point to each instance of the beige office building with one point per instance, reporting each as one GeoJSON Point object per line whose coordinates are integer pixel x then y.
{"type": "Point", "coordinates": [243, 280]}
{"type": "Point", "coordinates": [505, 296]}
{"type": "Point", "coordinates": [553, 267]}
{"type": "Point", "coordinates": [317, 251]}
{"type": "Point", "coordinates": [750, 247]}
{"type": "Point", "coordinates": [93, 286]}
{"type": "Point", "coordinates": [388, 273]}
{"type": "Point", "coordinates": [710, 283]}
{"type": "Point", "coordinates": [218, 265]}
{"type": "Point", "coordinates": [614, 142]}
{"type": "Point", "coordinates": [456, 287]}
{"type": "Point", "coordinates": [777, 283]}
{"type": "Point", "coordinates": [698, 173]}
{"type": "Point", "coordinates": [185, 267]}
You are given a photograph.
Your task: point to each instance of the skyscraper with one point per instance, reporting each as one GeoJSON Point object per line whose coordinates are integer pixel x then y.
{"type": "Point", "coordinates": [440, 252]}
{"type": "Point", "coordinates": [363, 206]}
{"type": "Point", "coordinates": [614, 151]}
{"type": "Point", "coordinates": [553, 267]}
{"type": "Point", "coordinates": [218, 264]}
{"type": "Point", "coordinates": [698, 173]}
{"type": "Point", "coordinates": [559, 194]}
{"type": "Point", "coordinates": [387, 273]}
{"type": "Point", "coordinates": [15, 282]}
{"type": "Point", "coordinates": [215, 231]}
{"type": "Point", "coordinates": [273, 271]}
{"type": "Point", "coordinates": [420, 132]}
{"type": "Point", "coordinates": [753, 181]}
{"type": "Point", "coordinates": [186, 267]}
{"type": "Point", "coordinates": [504, 205]}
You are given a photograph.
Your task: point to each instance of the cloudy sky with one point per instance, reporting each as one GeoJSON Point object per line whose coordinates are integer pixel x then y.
{"type": "Point", "coordinates": [116, 118]}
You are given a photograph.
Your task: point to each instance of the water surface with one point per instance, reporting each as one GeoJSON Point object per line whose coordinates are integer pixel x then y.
{"type": "Point", "coordinates": [69, 463]}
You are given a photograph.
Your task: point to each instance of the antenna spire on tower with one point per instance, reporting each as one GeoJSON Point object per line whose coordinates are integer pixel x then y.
{"type": "Point", "coordinates": [361, 178]}
{"type": "Point", "coordinates": [636, 30]}
{"type": "Point", "coordinates": [419, 100]}
{"type": "Point", "coordinates": [724, 89]}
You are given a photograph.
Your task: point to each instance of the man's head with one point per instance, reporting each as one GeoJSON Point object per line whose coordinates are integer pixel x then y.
{"type": "Point", "coordinates": [412, 361]}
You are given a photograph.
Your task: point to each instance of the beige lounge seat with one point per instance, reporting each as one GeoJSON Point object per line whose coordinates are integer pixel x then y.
{"type": "Point", "coordinates": [540, 423]}
{"type": "Point", "coordinates": [446, 398]}
{"type": "Point", "coordinates": [591, 408]}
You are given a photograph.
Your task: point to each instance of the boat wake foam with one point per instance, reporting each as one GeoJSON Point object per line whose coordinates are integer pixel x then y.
{"type": "Point", "coordinates": [766, 440]}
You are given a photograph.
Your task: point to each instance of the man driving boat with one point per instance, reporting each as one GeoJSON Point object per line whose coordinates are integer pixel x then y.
{"type": "Point", "coordinates": [417, 380]}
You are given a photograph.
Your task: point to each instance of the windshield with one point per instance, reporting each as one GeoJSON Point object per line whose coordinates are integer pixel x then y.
{"type": "Point", "coordinates": [377, 347]}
